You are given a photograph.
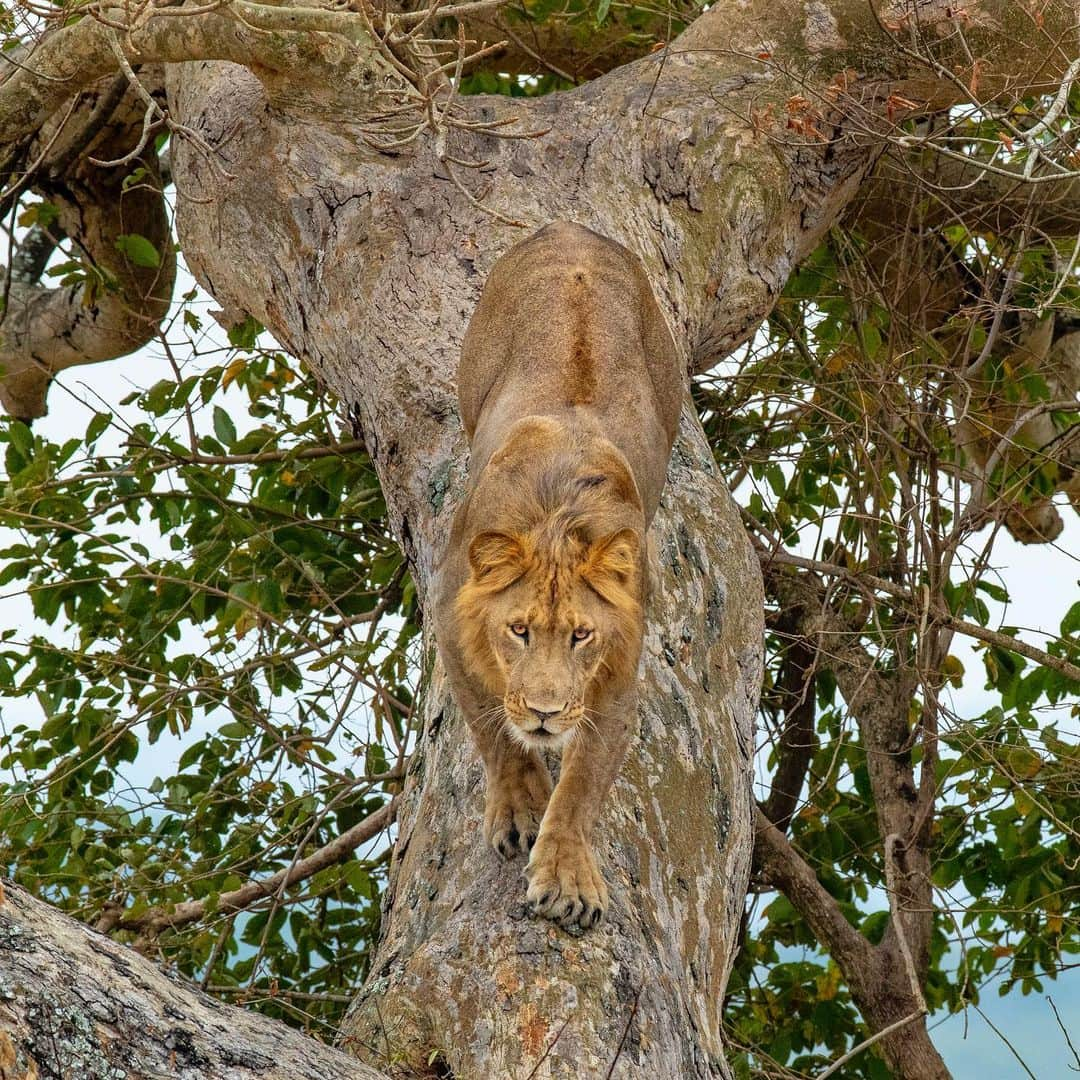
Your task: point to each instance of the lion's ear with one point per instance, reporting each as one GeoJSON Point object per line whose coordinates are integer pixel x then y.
{"type": "Point", "coordinates": [612, 561]}
{"type": "Point", "coordinates": [496, 558]}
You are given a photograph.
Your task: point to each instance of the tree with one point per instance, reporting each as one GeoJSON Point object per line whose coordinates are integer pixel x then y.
{"type": "Point", "coordinates": [341, 181]}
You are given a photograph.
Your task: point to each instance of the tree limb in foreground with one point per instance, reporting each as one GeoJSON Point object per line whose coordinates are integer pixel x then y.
{"type": "Point", "coordinates": [77, 1005]}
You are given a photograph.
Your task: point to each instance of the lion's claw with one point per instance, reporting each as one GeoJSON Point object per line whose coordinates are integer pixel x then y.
{"type": "Point", "coordinates": [564, 883]}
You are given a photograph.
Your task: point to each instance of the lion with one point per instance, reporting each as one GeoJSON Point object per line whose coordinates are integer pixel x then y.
{"type": "Point", "coordinates": [570, 391]}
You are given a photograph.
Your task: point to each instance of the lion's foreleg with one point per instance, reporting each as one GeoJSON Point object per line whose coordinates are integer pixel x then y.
{"type": "Point", "coordinates": [564, 881]}
{"type": "Point", "coordinates": [518, 781]}
{"type": "Point", "coordinates": [518, 789]}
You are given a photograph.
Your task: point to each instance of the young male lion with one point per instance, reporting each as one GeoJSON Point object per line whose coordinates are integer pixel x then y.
{"type": "Point", "coordinates": [570, 392]}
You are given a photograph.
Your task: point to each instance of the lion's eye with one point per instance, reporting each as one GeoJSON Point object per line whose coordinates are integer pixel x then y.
{"type": "Point", "coordinates": [520, 630]}
{"type": "Point", "coordinates": [582, 633]}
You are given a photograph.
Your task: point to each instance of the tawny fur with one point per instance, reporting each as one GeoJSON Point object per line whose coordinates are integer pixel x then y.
{"type": "Point", "coordinates": [570, 392]}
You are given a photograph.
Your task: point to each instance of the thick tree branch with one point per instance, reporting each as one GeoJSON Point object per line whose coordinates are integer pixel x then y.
{"type": "Point", "coordinates": [125, 291]}
{"type": "Point", "coordinates": [783, 868]}
{"type": "Point", "coordinates": [333, 49]}
{"type": "Point", "coordinates": [77, 1005]}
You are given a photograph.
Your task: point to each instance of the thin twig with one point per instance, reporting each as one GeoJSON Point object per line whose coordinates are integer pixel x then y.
{"type": "Point", "coordinates": [153, 921]}
{"type": "Point", "coordinates": [550, 1047]}
{"type": "Point", "coordinates": [622, 1042]}
{"type": "Point", "coordinates": [149, 123]}
{"type": "Point", "coordinates": [1001, 1035]}
{"type": "Point", "coordinates": [867, 1043]}
{"type": "Point", "coordinates": [1064, 1031]}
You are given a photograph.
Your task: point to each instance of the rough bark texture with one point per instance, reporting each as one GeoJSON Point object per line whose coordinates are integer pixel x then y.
{"type": "Point", "coordinates": [702, 161]}
{"type": "Point", "coordinates": [76, 1006]}
{"type": "Point", "coordinates": [464, 971]}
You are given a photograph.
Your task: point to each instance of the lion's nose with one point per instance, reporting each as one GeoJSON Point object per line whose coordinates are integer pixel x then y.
{"type": "Point", "coordinates": [545, 714]}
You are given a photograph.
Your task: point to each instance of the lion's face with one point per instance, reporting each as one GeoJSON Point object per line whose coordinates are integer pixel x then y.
{"type": "Point", "coordinates": [545, 626]}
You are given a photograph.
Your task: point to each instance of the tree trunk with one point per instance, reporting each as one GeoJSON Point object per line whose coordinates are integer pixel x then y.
{"type": "Point", "coordinates": [375, 291]}
{"type": "Point", "coordinates": [463, 972]}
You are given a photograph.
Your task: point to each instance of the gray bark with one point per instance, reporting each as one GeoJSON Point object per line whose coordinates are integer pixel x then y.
{"type": "Point", "coordinates": [75, 1005]}
{"type": "Point", "coordinates": [369, 268]}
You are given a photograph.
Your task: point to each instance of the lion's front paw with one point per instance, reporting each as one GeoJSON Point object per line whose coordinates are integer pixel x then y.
{"type": "Point", "coordinates": [564, 883]}
{"type": "Point", "coordinates": [514, 809]}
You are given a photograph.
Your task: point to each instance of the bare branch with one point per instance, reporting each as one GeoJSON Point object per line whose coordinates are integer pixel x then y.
{"type": "Point", "coordinates": [152, 922]}
{"type": "Point", "coordinates": [980, 633]}
{"type": "Point", "coordinates": [854, 1052]}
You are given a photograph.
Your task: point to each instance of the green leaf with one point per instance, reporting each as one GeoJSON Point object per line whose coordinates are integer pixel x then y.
{"type": "Point", "coordinates": [42, 214]}
{"type": "Point", "coordinates": [243, 335]}
{"type": "Point", "coordinates": [139, 250]}
{"type": "Point", "coordinates": [134, 177]}
{"type": "Point", "coordinates": [223, 426]}
{"type": "Point", "coordinates": [97, 426]}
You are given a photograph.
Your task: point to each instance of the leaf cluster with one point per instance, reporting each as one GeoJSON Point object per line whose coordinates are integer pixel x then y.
{"type": "Point", "coordinates": [211, 676]}
{"type": "Point", "coordinates": [837, 428]}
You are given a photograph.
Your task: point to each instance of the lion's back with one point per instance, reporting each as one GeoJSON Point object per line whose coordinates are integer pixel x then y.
{"type": "Point", "coordinates": [568, 320]}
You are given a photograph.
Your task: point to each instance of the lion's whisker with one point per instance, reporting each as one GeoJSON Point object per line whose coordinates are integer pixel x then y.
{"type": "Point", "coordinates": [491, 719]}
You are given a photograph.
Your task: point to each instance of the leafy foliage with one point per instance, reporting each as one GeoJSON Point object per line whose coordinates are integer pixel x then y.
{"type": "Point", "coordinates": [214, 581]}
{"type": "Point", "coordinates": [839, 434]}
{"type": "Point", "coordinates": [216, 587]}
